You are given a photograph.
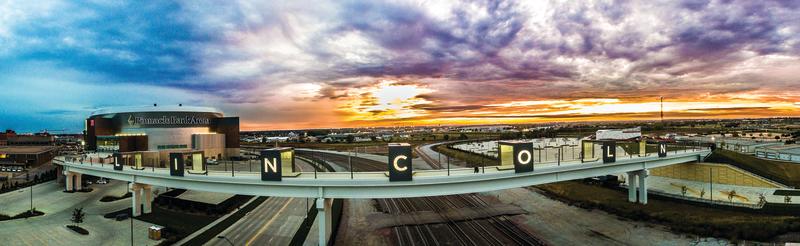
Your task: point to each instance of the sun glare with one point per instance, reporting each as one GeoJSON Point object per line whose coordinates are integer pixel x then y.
{"type": "Point", "coordinates": [386, 100]}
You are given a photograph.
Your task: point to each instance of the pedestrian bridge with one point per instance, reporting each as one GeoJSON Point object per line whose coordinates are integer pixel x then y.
{"type": "Point", "coordinates": [377, 184]}
{"type": "Point", "coordinates": [415, 183]}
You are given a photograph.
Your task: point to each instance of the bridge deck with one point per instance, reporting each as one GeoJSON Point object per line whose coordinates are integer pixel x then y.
{"type": "Point", "coordinates": [376, 184]}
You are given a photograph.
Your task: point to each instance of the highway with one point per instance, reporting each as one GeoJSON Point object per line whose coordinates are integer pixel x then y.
{"type": "Point", "coordinates": [273, 222]}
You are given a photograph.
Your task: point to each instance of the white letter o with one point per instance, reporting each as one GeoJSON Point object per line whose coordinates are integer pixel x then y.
{"type": "Point", "coordinates": [527, 160]}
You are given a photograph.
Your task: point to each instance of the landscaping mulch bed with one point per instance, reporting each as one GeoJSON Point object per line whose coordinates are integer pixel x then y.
{"type": "Point", "coordinates": [23, 215]}
{"type": "Point", "coordinates": [78, 229]}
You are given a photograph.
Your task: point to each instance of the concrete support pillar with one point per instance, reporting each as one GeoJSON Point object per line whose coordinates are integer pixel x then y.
{"type": "Point", "coordinates": [136, 199]}
{"type": "Point", "coordinates": [643, 185]}
{"type": "Point", "coordinates": [78, 181]}
{"type": "Point", "coordinates": [148, 199]}
{"type": "Point", "coordinates": [324, 214]}
{"type": "Point", "coordinates": [68, 177]}
{"type": "Point", "coordinates": [632, 186]}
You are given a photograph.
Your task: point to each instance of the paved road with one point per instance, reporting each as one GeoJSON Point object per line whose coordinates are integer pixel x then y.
{"type": "Point", "coordinates": [435, 159]}
{"type": "Point", "coordinates": [273, 222]}
{"type": "Point", "coordinates": [50, 229]}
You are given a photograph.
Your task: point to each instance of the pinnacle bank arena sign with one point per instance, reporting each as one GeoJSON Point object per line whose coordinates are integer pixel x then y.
{"type": "Point", "coordinates": [168, 120]}
{"type": "Point", "coordinates": [164, 119]}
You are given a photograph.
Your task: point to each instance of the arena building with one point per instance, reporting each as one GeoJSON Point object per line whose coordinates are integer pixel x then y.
{"type": "Point", "coordinates": [150, 133]}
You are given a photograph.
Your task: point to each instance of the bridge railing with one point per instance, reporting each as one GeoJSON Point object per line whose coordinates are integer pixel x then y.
{"type": "Point", "coordinates": [543, 157]}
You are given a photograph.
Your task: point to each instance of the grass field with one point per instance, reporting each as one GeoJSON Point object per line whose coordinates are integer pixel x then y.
{"type": "Point", "coordinates": [679, 217]}
{"type": "Point", "coordinates": [469, 158]}
{"type": "Point", "coordinates": [783, 172]}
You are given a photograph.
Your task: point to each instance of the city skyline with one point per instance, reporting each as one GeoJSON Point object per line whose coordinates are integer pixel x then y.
{"type": "Point", "coordinates": [351, 64]}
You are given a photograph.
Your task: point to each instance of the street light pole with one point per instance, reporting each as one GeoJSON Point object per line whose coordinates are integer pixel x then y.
{"type": "Point", "coordinates": [31, 196]}
{"type": "Point", "coordinates": [131, 218]}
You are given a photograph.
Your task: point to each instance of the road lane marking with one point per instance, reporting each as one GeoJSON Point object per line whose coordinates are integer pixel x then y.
{"type": "Point", "coordinates": [274, 216]}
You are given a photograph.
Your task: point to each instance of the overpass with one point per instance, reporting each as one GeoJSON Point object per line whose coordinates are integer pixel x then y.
{"type": "Point", "coordinates": [325, 186]}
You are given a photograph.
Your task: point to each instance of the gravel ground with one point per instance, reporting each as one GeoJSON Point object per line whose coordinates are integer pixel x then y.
{"type": "Point", "coordinates": [561, 224]}
{"type": "Point", "coordinates": [355, 229]}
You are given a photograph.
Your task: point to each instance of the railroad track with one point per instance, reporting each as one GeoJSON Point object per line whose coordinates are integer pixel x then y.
{"type": "Point", "coordinates": [432, 162]}
{"type": "Point", "coordinates": [486, 230]}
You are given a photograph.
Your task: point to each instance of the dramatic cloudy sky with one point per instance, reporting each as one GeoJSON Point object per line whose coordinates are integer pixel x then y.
{"type": "Point", "coordinates": [300, 64]}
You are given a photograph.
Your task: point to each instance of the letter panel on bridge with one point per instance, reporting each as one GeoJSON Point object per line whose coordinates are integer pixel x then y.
{"type": "Point", "coordinates": [271, 165]}
{"type": "Point", "coordinates": [117, 161]}
{"type": "Point", "coordinates": [609, 151]}
{"type": "Point", "coordinates": [662, 149]}
{"type": "Point", "coordinates": [400, 162]}
{"type": "Point", "coordinates": [176, 164]}
{"type": "Point", "coordinates": [521, 157]}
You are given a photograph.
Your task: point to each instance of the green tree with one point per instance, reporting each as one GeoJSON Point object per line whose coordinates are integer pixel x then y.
{"type": "Point", "coordinates": [446, 137]}
{"type": "Point", "coordinates": [77, 216]}
{"type": "Point", "coordinates": [463, 136]}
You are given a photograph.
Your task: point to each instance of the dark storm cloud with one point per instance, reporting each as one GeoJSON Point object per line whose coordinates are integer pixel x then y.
{"type": "Point", "coordinates": [424, 46]}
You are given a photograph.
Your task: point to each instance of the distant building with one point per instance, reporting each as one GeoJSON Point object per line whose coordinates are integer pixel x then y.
{"type": "Point", "coordinates": [362, 139]}
{"type": "Point", "coordinates": [5, 135]}
{"type": "Point", "coordinates": [500, 128]}
{"type": "Point", "coordinates": [19, 158]}
{"type": "Point", "coordinates": [12, 138]}
{"type": "Point", "coordinates": [619, 134]}
{"type": "Point", "coordinates": [31, 140]}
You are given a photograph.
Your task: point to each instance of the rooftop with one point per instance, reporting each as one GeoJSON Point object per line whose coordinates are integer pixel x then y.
{"type": "Point", "coordinates": [151, 108]}
{"type": "Point", "coordinates": [25, 149]}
